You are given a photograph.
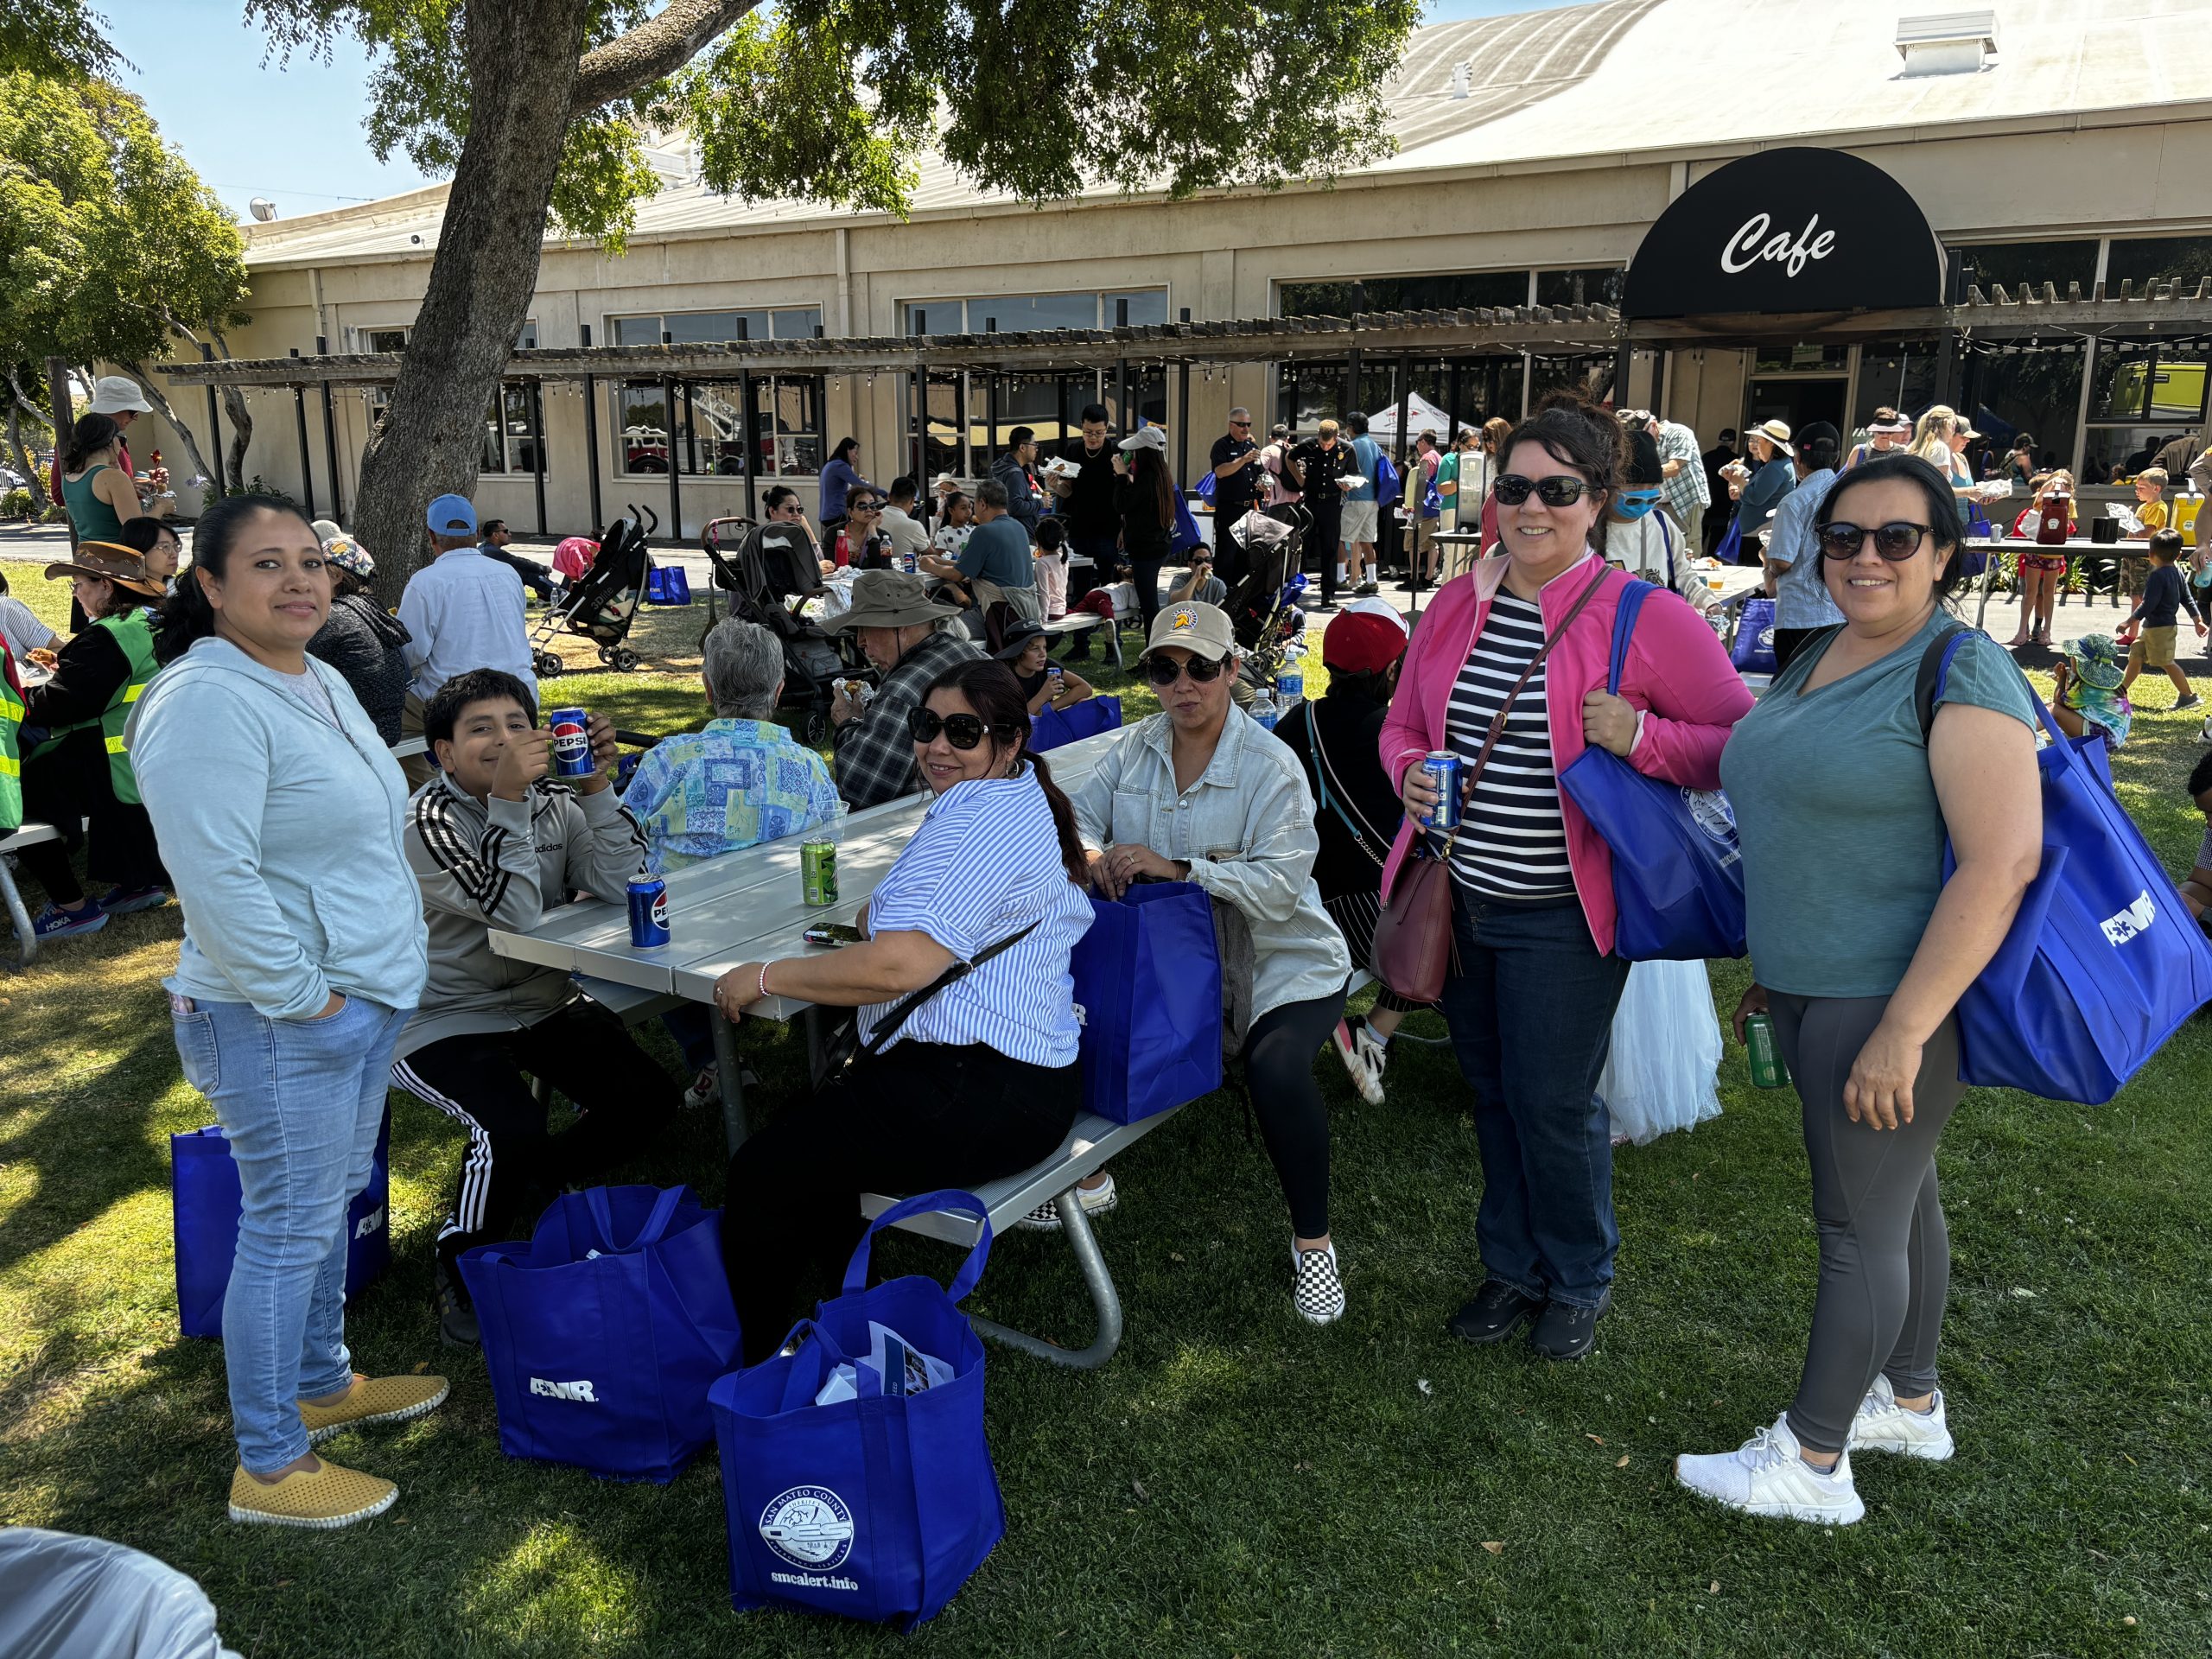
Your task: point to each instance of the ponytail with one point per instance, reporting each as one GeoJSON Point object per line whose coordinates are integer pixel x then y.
{"type": "Point", "coordinates": [91, 434]}
{"type": "Point", "coordinates": [1071, 853]}
{"type": "Point", "coordinates": [188, 617]}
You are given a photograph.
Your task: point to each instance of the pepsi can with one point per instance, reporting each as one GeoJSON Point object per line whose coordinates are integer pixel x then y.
{"type": "Point", "coordinates": [1443, 769]}
{"type": "Point", "coordinates": [571, 743]}
{"type": "Point", "coordinates": [648, 911]}
{"type": "Point", "coordinates": [907, 563]}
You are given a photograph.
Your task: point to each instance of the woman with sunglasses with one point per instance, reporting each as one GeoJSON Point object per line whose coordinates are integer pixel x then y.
{"type": "Point", "coordinates": [1507, 671]}
{"type": "Point", "coordinates": [1861, 949]}
{"type": "Point", "coordinates": [979, 1080]}
{"type": "Point", "coordinates": [1200, 792]}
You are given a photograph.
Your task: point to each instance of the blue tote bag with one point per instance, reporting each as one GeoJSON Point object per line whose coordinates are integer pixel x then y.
{"type": "Point", "coordinates": [1753, 649]}
{"type": "Point", "coordinates": [667, 584]}
{"type": "Point", "coordinates": [1147, 989]}
{"type": "Point", "coordinates": [1678, 875]}
{"type": "Point", "coordinates": [1187, 534]}
{"type": "Point", "coordinates": [878, 1507]}
{"type": "Point", "coordinates": [207, 1199]}
{"type": "Point", "coordinates": [1729, 550]}
{"type": "Point", "coordinates": [603, 1333]}
{"type": "Point", "coordinates": [2102, 963]}
{"type": "Point", "coordinates": [1387, 483]}
{"type": "Point", "coordinates": [1050, 728]}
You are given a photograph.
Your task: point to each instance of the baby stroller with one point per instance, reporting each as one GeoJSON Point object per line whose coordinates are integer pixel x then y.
{"type": "Point", "coordinates": [602, 603]}
{"type": "Point", "coordinates": [769, 574]}
{"type": "Point", "coordinates": [1257, 560]}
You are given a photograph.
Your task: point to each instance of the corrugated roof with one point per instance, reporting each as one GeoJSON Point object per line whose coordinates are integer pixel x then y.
{"type": "Point", "coordinates": [1617, 77]}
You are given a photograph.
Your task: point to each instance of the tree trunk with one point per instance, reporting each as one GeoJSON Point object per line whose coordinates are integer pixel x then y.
{"type": "Point", "coordinates": [19, 407]}
{"type": "Point", "coordinates": [159, 399]}
{"type": "Point", "coordinates": [241, 435]}
{"type": "Point", "coordinates": [523, 58]}
{"type": "Point", "coordinates": [57, 391]}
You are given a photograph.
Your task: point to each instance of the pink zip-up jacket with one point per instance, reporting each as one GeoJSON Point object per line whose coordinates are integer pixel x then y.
{"type": "Point", "coordinates": [1676, 674]}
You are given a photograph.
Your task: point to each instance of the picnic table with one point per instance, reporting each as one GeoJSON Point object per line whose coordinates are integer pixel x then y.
{"type": "Point", "coordinates": [2082, 554]}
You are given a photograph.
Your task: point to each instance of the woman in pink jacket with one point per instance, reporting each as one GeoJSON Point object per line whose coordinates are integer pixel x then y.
{"type": "Point", "coordinates": [1531, 999]}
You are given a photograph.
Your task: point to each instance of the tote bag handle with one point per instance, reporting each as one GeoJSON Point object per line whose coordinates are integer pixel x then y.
{"type": "Point", "coordinates": [656, 1223]}
{"type": "Point", "coordinates": [971, 1270]}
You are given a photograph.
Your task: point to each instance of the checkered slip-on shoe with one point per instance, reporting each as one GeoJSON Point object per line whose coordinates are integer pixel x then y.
{"type": "Point", "coordinates": [1097, 1201]}
{"type": "Point", "coordinates": [1316, 1286]}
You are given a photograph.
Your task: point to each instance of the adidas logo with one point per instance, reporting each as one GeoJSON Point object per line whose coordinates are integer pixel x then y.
{"type": "Point", "coordinates": [565, 1390]}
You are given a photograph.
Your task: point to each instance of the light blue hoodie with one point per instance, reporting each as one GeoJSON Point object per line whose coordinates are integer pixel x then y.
{"type": "Point", "coordinates": [281, 838]}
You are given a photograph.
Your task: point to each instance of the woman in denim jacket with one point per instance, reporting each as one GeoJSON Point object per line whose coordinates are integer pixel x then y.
{"type": "Point", "coordinates": [1200, 793]}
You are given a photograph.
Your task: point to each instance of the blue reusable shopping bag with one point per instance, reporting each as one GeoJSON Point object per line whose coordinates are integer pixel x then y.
{"type": "Point", "coordinates": [1753, 651]}
{"type": "Point", "coordinates": [1387, 482]}
{"type": "Point", "coordinates": [1730, 549]}
{"type": "Point", "coordinates": [1187, 534]}
{"type": "Point", "coordinates": [1049, 728]}
{"type": "Point", "coordinates": [876, 1508]}
{"type": "Point", "coordinates": [1147, 989]}
{"type": "Point", "coordinates": [207, 1200]}
{"type": "Point", "coordinates": [2102, 963]}
{"type": "Point", "coordinates": [1207, 482]}
{"type": "Point", "coordinates": [1678, 876]}
{"type": "Point", "coordinates": [667, 584]}
{"type": "Point", "coordinates": [603, 1333]}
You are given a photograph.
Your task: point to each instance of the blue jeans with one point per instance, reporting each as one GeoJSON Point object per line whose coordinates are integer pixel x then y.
{"type": "Point", "coordinates": [301, 1101]}
{"type": "Point", "coordinates": [1531, 1015]}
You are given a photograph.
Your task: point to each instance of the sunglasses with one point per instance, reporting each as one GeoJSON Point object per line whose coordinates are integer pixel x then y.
{"type": "Point", "coordinates": [1246, 425]}
{"type": "Point", "coordinates": [1560, 491]}
{"type": "Point", "coordinates": [1896, 541]}
{"type": "Point", "coordinates": [1162, 673]}
{"type": "Point", "coordinates": [963, 732]}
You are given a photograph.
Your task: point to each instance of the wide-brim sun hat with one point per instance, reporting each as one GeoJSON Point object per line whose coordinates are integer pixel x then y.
{"type": "Point", "coordinates": [1775, 432]}
{"type": "Point", "coordinates": [1018, 639]}
{"type": "Point", "coordinates": [109, 562]}
{"type": "Point", "coordinates": [2096, 661]}
{"type": "Point", "coordinates": [889, 599]}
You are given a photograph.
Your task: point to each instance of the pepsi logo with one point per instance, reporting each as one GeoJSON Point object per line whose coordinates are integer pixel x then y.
{"type": "Point", "coordinates": [660, 910]}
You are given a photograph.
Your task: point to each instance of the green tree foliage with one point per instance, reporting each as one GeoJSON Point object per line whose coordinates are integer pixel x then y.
{"type": "Point", "coordinates": [65, 38]}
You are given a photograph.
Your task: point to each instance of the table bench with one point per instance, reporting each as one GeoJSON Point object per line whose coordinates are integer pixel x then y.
{"type": "Point", "coordinates": [31, 835]}
{"type": "Point", "coordinates": [1081, 622]}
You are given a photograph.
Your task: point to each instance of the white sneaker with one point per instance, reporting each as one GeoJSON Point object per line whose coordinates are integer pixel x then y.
{"type": "Point", "coordinates": [1364, 1056]}
{"type": "Point", "coordinates": [1315, 1285]}
{"type": "Point", "coordinates": [1097, 1201]}
{"type": "Point", "coordinates": [706, 1089]}
{"type": "Point", "coordinates": [1882, 1425]}
{"type": "Point", "coordinates": [1766, 1476]}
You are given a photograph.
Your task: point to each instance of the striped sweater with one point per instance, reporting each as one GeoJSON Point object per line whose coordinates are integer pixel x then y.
{"type": "Point", "coordinates": [505, 864]}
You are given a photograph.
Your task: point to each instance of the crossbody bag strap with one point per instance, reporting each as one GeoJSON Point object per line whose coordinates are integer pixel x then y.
{"type": "Point", "coordinates": [1498, 724]}
{"type": "Point", "coordinates": [903, 1008]}
{"type": "Point", "coordinates": [1342, 804]}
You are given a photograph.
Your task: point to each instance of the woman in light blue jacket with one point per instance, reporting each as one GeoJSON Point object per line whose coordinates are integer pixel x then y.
{"type": "Point", "coordinates": [278, 810]}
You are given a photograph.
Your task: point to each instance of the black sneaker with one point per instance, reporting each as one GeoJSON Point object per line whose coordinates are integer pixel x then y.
{"type": "Point", "coordinates": [1496, 1313]}
{"type": "Point", "coordinates": [1565, 1332]}
{"type": "Point", "coordinates": [457, 1326]}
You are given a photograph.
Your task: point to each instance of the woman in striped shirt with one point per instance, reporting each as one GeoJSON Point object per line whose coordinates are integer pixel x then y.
{"type": "Point", "coordinates": [1512, 659]}
{"type": "Point", "coordinates": [979, 1081]}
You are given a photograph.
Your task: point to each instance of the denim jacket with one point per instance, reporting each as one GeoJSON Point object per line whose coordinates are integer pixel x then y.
{"type": "Point", "coordinates": [1246, 829]}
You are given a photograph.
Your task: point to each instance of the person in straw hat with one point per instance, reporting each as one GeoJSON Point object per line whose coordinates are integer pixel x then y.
{"type": "Point", "coordinates": [75, 766]}
{"type": "Point", "coordinates": [898, 625]}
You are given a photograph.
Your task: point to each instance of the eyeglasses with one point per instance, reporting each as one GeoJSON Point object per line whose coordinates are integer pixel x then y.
{"type": "Point", "coordinates": [1163, 671]}
{"type": "Point", "coordinates": [963, 732]}
{"type": "Point", "coordinates": [1896, 541]}
{"type": "Point", "coordinates": [1558, 492]}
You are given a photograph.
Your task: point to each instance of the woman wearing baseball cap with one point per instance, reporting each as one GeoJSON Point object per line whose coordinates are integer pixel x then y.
{"type": "Point", "coordinates": [1337, 739]}
{"type": "Point", "coordinates": [361, 640]}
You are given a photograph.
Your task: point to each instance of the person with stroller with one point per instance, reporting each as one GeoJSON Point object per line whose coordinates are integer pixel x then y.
{"type": "Point", "coordinates": [535, 576]}
{"type": "Point", "coordinates": [461, 611]}
{"type": "Point", "coordinates": [362, 641]}
{"type": "Point", "coordinates": [899, 628]}
{"type": "Point", "coordinates": [495, 842]}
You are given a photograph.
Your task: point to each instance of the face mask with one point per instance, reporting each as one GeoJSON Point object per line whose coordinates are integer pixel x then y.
{"type": "Point", "coordinates": [1634, 504]}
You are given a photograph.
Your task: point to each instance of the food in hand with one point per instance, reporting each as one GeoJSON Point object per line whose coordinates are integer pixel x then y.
{"type": "Point", "coordinates": [41, 658]}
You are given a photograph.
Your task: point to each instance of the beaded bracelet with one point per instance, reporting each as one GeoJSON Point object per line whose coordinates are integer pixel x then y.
{"type": "Point", "coordinates": [764, 982]}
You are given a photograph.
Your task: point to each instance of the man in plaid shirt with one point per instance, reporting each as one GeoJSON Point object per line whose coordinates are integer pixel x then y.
{"type": "Point", "coordinates": [898, 624]}
{"type": "Point", "coordinates": [1682, 469]}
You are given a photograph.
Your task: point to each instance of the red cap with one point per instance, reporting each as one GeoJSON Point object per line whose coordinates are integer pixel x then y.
{"type": "Point", "coordinates": [1360, 642]}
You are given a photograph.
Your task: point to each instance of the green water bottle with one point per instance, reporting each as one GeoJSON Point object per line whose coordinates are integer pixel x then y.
{"type": "Point", "coordinates": [1768, 1070]}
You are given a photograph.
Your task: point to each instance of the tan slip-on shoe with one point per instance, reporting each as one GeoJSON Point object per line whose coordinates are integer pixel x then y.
{"type": "Point", "coordinates": [373, 1399]}
{"type": "Point", "coordinates": [331, 1497]}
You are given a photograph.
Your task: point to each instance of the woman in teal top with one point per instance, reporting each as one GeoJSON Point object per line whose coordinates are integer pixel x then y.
{"type": "Point", "coordinates": [97, 494]}
{"type": "Point", "coordinates": [1861, 950]}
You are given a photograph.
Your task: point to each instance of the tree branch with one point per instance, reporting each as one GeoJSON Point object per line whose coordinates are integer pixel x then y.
{"type": "Point", "coordinates": [652, 51]}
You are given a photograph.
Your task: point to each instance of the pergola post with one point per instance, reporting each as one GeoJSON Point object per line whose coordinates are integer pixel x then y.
{"type": "Point", "coordinates": [330, 438]}
{"type": "Point", "coordinates": [591, 439]}
{"type": "Point", "coordinates": [536, 446]}
{"type": "Point", "coordinates": [675, 481]}
{"type": "Point", "coordinates": [306, 467]}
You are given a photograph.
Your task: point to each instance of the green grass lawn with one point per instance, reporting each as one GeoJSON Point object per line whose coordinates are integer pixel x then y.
{"type": "Point", "coordinates": [1234, 1482]}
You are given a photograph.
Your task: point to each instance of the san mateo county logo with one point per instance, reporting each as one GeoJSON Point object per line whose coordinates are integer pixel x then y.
{"type": "Point", "coordinates": [810, 1527]}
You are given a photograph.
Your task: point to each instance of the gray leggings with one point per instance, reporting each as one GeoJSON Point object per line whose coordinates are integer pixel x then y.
{"type": "Point", "coordinates": [1885, 1254]}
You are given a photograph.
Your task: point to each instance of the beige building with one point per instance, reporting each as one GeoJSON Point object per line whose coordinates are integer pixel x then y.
{"type": "Point", "coordinates": [2067, 142]}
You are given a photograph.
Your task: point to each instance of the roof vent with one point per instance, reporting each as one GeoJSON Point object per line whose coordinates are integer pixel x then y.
{"type": "Point", "coordinates": [1462, 79]}
{"type": "Point", "coordinates": [1947, 42]}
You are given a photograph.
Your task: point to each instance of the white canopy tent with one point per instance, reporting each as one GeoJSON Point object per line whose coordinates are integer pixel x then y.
{"type": "Point", "coordinates": [1421, 416]}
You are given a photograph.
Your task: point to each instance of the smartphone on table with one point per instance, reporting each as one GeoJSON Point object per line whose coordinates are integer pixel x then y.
{"type": "Point", "coordinates": [832, 933]}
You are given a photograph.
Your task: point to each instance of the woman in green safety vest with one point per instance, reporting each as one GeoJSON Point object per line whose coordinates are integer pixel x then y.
{"type": "Point", "coordinates": [11, 727]}
{"type": "Point", "coordinates": [74, 767]}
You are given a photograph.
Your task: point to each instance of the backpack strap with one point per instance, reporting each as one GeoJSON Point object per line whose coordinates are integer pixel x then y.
{"type": "Point", "coordinates": [1935, 664]}
{"type": "Point", "coordinates": [1338, 803]}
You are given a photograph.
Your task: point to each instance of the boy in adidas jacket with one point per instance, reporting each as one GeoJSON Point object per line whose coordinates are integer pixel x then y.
{"type": "Point", "coordinates": [495, 842]}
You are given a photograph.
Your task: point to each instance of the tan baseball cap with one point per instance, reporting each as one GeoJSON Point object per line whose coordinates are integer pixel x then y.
{"type": "Point", "coordinates": [1202, 629]}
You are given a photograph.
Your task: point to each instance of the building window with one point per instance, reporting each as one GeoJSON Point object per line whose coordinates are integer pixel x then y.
{"type": "Point", "coordinates": [385, 340]}
{"type": "Point", "coordinates": [2159, 259]}
{"type": "Point", "coordinates": [1011, 314]}
{"type": "Point", "coordinates": [2036, 390]}
{"type": "Point", "coordinates": [1441, 293]}
{"type": "Point", "coordinates": [1467, 390]}
{"type": "Point", "coordinates": [2143, 394]}
{"type": "Point", "coordinates": [1601, 286]}
{"type": "Point", "coordinates": [714, 327]}
{"type": "Point", "coordinates": [707, 431]}
{"type": "Point", "coordinates": [511, 438]}
{"type": "Point", "coordinates": [1812, 357]}
{"type": "Point", "coordinates": [2017, 265]}
{"type": "Point", "coordinates": [1897, 374]}
{"type": "Point", "coordinates": [1588, 375]}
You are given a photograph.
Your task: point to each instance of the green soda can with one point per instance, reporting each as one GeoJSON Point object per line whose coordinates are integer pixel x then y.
{"type": "Point", "coordinates": [1768, 1070]}
{"type": "Point", "coordinates": [817, 870]}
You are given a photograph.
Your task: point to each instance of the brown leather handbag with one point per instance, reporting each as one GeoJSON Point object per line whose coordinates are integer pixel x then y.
{"type": "Point", "coordinates": [1414, 952]}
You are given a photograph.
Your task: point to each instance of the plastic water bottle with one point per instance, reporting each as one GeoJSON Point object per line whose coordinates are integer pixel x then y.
{"type": "Point", "coordinates": [1263, 709]}
{"type": "Point", "coordinates": [1290, 681]}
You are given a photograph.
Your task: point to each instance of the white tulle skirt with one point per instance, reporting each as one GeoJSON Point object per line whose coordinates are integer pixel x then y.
{"type": "Point", "coordinates": [1666, 1053]}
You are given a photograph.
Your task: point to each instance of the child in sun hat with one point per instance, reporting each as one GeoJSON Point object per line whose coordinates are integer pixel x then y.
{"type": "Point", "coordinates": [2086, 694]}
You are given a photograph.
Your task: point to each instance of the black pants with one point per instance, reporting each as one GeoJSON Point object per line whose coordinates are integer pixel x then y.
{"type": "Point", "coordinates": [71, 782]}
{"type": "Point", "coordinates": [916, 1117]}
{"type": "Point", "coordinates": [1324, 537]}
{"type": "Point", "coordinates": [535, 576]}
{"type": "Point", "coordinates": [1145, 572]}
{"type": "Point", "coordinates": [623, 1097]}
{"type": "Point", "coordinates": [1279, 1052]}
{"type": "Point", "coordinates": [1787, 643]}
